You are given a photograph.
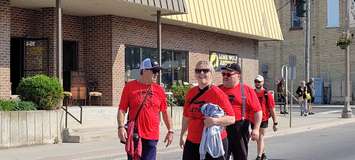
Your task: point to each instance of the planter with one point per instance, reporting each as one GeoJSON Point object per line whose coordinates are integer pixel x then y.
{"type": "Point", "coordinates": [20, 128]}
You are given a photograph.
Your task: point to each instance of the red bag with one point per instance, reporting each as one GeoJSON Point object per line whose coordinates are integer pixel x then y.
{"type": "Point", "coordinates": [134, 143]}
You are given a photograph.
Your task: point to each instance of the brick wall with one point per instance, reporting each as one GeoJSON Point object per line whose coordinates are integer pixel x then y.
{"type": "Point", "coordinates": [5, 87]}
{"type": "Point", "coordinates": [98, 54]}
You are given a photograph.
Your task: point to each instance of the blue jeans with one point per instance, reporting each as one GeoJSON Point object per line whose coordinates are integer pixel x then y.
{"type": "Point", "coordinates": [149, 150]}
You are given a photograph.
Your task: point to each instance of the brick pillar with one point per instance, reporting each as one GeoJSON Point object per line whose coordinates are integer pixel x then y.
{"type": "Point", "coordinates": [49, 26]}
{"type": "Point", "coordinates": [5, 86]}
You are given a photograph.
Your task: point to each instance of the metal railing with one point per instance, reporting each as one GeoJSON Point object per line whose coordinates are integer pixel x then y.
{"type": "Point", "coordinates": [65, 108]}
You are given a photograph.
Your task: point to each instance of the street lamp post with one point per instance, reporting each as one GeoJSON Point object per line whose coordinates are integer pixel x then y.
{"type": "Point", "coordinates": [347, 113]}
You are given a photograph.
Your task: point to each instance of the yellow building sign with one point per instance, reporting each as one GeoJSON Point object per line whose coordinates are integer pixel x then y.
{"type": "Point", "coordinates": [219, 59]}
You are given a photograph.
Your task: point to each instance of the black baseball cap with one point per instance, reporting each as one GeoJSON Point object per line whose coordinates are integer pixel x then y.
{"type": "Point", "coordinates": [232, 67]}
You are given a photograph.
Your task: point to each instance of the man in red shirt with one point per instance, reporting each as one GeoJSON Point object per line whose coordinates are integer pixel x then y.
{"type": "Point", "coordinates": [150, 96]}
{"type": "Point", "coordinates": [194, 121]}
{"type": "Point", "coordinates": [238, 133]}
{"type": "Point", "coordinates": [268, 108]}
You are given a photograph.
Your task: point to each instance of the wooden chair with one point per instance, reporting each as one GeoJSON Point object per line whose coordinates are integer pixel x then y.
{"type": "Point", "coordinates": [78, 88]}
{"type": "Point", "coordinates": [92, 85]}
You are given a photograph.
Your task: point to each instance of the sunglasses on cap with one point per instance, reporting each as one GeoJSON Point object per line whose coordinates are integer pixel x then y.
{"type": "Point", "coordinates": [202, 70]}
{"type": "Point", "coordinates": [256, 81]}
{"type": "Point", "coordinates": [227, 74]}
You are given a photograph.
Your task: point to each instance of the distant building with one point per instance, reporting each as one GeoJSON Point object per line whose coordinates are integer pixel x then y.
{"type": "Point", "coordinates": [327, 61]}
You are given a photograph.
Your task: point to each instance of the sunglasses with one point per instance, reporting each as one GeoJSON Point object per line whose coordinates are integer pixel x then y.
{"type": "Point", "coordinates": [256, 81]}
{"type": "Point", "coordinates": [202, 70]}
{"type": "Point", "coordinates": [227, 74]}
{"type": "Point", "coordinates": [155, 71]}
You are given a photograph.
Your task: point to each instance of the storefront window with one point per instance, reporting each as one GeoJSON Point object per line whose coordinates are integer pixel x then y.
{"type": "Point", "coordinates": [174, 64]}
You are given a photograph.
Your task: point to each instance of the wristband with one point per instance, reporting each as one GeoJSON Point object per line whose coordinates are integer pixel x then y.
{"type": "Point", "coordinates": [171, 131]}
{"type": "Point", "coordinates": [275, 123]}
{"type": "Point", "coordinates": [119, 127]}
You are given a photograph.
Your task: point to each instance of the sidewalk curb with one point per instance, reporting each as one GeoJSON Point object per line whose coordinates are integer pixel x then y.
{"type": "Point", "coordinates": [310, 128]}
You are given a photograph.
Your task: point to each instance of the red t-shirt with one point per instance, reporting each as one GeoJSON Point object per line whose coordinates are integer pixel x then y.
{"type": "Point", "coordinates": [265, 107]}
{"type": "Point", "coordinates": [251, 102]}
{"type": "Point", "coordinates": [149, 117]}
{"type": "Point", "coordinates": [192, 111]}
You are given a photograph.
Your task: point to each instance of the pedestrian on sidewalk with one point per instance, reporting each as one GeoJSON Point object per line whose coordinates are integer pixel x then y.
{"type": "Point", "coordinates": [310, 101]}
{"type": "Point", "coordinates": [267, 103]}
{"type": "Point", "coordinates": [145, 100]}
{"type": "Point", "coordinates": [302, 97]}
{"type": "Point", "coordinates": [193, 119]}
{"type": "Point", "coordinates": [247, 110]}
{"type": "Point", "coordinates": [281, 96]}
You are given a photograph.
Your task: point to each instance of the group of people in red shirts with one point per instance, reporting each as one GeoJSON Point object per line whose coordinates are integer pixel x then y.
{"type": "Point", "coordinates": [246, 113]}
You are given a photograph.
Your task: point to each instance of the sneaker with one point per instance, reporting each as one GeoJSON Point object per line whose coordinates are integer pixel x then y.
{"type": "Point", "coordinates": [281, 112]}
{"type": "Point", "coordinates": [258, 158]}
{"type": "Point", "coordinates": [263, 157]}
{"type": "Point", "coordinates": [285, 112]}
{"type": "Point", "coordinates": [305, 114]}
{"type": "Point", "coordinates": [311, 113]}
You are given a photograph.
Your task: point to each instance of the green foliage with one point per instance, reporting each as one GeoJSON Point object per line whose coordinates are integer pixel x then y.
{"type": "Point", "coordinates": [11, 105]}
{"type": "Point", "coordinates": [179, 93]}
{"type": "Point", "coordinates": [44, 91]}
{"type": "Point", "coordinates": [343, 41]}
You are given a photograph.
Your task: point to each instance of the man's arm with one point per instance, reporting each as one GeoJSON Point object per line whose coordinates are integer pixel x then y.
{"type": "Point", "coordinates": [168, 123]}
{"type": "Point", "coordinates": [122, 134]}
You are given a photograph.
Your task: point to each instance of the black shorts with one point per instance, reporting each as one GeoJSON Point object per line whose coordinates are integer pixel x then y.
{"type": "Point", "coordinates": [263, 124]}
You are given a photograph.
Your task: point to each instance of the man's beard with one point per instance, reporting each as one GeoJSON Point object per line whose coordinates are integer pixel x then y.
{"type": "Point", "coordinates": [257, 87]}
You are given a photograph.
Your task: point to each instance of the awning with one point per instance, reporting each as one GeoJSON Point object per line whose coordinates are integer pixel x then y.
{"type": "Point", "coordinates": [256, 19]}
{"type": "Point", "coordinates": [140, 9]}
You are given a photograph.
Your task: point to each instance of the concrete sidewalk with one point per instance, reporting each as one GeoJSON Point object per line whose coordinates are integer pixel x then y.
{"type": "Point", "coordinates": [101, 121]}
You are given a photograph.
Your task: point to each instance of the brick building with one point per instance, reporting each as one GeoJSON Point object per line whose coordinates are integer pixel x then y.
{"type": "Point", "coordinates": [327, 61]}
{"type": "Point", "coordinates": [107, 40]}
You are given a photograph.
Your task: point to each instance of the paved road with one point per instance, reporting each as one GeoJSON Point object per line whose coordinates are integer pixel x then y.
{"type": "Point", "coordinates": [327, 144]}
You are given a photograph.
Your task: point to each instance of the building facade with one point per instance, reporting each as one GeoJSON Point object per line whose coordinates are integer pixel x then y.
{"type": "Point", "coordinates": [327, 61]}
{"type": "Point", "coordinates": [107, 42]}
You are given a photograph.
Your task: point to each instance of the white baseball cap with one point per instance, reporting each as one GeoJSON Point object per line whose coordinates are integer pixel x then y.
{"type": "Point", "coordinates": [149, 64]}
{"type": "Point", "coordinates": [259, 78]}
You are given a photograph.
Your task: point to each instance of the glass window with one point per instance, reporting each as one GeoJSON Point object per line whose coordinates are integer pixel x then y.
{"type": "Point", "coordinates": [132, 61]}
{"type": "Point", "coordinates": [296, 22]}
{"type": "Point", "coordinates": [174, 64]}
{"type": "Point", "coordinates": [333, 13]}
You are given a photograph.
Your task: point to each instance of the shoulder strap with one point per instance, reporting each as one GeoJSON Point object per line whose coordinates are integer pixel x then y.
{"type": "Point", "coordinates": [199, 94]}
{"type": "Point", "coordinates": [141, 105]}
{"type": "Point", "coordinates": [242, 91]}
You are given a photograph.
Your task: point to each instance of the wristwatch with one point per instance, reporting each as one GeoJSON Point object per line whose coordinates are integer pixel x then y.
{"type": "Point", "coordinates": [119, 127]}
{"type": "Point", "coordinates": [275, 123]}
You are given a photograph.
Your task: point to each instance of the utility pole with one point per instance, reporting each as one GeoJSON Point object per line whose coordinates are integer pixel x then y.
{"type": "Point", "coordinates": [308, 42]}
{"type": "Point", "coordinates": [347, 113]}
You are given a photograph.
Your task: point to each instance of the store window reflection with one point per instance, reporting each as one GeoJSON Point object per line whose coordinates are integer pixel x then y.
{"type": "Point", "coordinates": [174, 64]}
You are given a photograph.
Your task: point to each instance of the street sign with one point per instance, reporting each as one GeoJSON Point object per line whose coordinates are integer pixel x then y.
{"type": "Point", "coordinates": [292, 60]}
{"type": "Point", "coordinates": [292, 73]}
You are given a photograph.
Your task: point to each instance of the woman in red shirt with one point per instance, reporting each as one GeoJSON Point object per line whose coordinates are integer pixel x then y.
{"type": "Point", "coordinates": [193, 120]}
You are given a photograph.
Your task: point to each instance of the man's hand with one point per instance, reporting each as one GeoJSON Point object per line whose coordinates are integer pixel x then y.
{"type": "Point", "coordinates": [122, 134]}
{"type": "Point", "coordinates": [182, 142]}
{"type": "Point", "coordinates": [274, 127]}
{"type": "Point", "coordinates": [209, 121]}
{"type": "Point", "coordinates": [168, 138]}
{"type": "Point", "coordinates": [255, 134]}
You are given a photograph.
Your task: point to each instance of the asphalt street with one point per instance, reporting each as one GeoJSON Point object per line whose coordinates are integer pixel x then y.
{"type": "Point", "coordinates": [335, 143]}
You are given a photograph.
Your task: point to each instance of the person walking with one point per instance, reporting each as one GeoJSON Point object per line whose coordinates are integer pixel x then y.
{"type": "Point", "coordinates": [145, 100]}
{"type": "Point", "coordinates": [310, 101]}
{"type": "Point", "coordinates": [281, 95]}
{"type": "Point", "coordinates": [194, 121]}
{"type": "Point", "coordinates": [267, 103]}
{"type": "Point", "coordinates": [302, 97]}
{"type": "Point", "coordinates": [247, 111]}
